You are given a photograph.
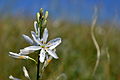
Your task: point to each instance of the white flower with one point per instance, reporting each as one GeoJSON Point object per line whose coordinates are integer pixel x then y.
{"type": "Point", "coordinates": [26, 73]}
{"type": "Point", "coordinates": [19, 56]}
{"type": "Point", "coordinates": [41, 44]}
{"type": "Point", "coordinates": [13, 78]}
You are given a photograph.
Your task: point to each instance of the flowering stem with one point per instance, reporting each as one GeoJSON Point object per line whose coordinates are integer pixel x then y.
{"type": "Point", "coordinates": [40, 21]}
{"type": "Point", "coordinates": [38, 65]}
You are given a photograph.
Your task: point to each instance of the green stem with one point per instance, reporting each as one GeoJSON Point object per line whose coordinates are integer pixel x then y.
{"type": "Point", "coordinates": [38, 67]}
{"type": "Point", "coordinates": [33, 60]}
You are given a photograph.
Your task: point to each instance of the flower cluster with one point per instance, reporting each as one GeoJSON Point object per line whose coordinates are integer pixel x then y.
{"type": "Point", "coordinates": [39, 42]}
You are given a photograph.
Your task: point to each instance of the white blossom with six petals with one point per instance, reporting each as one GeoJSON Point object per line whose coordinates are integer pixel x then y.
{"type": "Point", "coordinates": [41, 44]}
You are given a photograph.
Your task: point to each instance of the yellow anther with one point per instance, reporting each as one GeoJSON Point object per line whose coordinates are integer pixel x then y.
{"type": "Point", "coordinates": [21, 57]}
{"type": "Point", "coordinates": [44, 42]}
{"type": "Point", "coordinates": [49, 60]}
{"type": "Point", "coordinates": [49, 43]}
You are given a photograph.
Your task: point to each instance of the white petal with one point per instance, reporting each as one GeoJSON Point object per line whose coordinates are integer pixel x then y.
{"type": "Point", "coordinates": [35, 26]}
{"type": "Point", "coordinates": [34, 48]}
{"type": "Point", "coordinates": [45, 35]}
{"type": "Point", "coordinates": [28, 39]}
{"type": "Point", "coordinates": [53, 43]}
{"type": "Point", "coordinates": [36, 39]}
{"type": "Point", "coordinates": [26, 73]}
{"type": "Point", "coordinates": [25, 52]}
{"type": "Point", "coordinates": [14, 55]}
{"type": "Point", "coordinates": [52, 53]}
{"type": "Point", "coordinates": [42, 55]}
{"type": "Point", "coordinates": [13, 78]}
{"type": "Point", "coordinates": [29, 49]}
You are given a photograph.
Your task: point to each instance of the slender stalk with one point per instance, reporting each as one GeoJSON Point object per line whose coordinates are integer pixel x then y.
{"type": "Point", "coordinates": [38, 67]}
{"type": "Point", "coordinates": [40, 20]}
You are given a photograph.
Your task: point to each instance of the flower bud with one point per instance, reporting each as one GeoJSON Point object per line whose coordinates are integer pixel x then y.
{"type": "Point", "coordinates": [41, 13]}
{"type": "Point", "coordinates": [42, 18]}
{"type": "Point", "coordinates": [46, 15]}
{"type": "Point", "coordinates": [44, 23]}
{"type": "Point", "coordinates": [38, 16]}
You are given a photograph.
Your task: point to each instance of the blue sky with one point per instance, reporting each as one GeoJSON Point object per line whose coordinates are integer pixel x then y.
{"type": "Point", "coordinates": [75, 10]}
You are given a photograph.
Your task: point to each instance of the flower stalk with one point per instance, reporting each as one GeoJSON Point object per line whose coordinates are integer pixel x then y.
{"type": "Point", "coordinates": [46, 50]}
{"type": "Point", "coordinates": [41, 21]}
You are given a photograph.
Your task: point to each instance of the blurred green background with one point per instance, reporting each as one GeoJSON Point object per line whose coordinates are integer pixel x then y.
{"type": "Point", "coordinates": [77, 53]}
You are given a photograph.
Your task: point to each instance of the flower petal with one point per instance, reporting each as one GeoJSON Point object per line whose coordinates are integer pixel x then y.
{"type": "Point", "coordinates": [34, 48]}
{"type": "Point", "coordinates": [25, 52]}
{"type": "Point", "coordinates": [52, 53]}
{"type": "Point", "coordinates": [53, 43]}
{"type": "Point", "coordinates": [29, 49]}
{"type": "Point", "coordinates": [42, 55]}
{"type": "Point", "coordinates": [35, 37]}
{"type": "Point", "coordinates": [26, 73]}
{"type": "Point", "coordinates": [14, 55]}
{"type": "Point", "coordinates": [28, 39]}
{"type": "Point", "coordinates": [45, 35]}
{"type": "Point", "coordinates": [13, 78]}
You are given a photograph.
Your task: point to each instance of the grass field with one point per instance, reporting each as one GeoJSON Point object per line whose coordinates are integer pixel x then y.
{"type": "Point", "coordinates": [77, 53]}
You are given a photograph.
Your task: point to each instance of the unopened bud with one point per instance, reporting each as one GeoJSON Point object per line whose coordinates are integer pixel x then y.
{"type": "Point", "coordinates": [46, 15]}
{"type": "Point", "coordinates": [44, 23]}
{"type": "Point", "coordinates": [42, 18]}
{"type": "Point", "coordinates": [38, 16]}
{"type": "Point", "coordinates": [41, 13]}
